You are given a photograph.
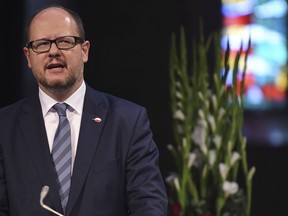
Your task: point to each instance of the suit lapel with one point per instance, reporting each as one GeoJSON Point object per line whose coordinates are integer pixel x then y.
{"type": "Point", "coordinates": [33, 127]}
{"type": "Point", "coordinates": [90, 131]}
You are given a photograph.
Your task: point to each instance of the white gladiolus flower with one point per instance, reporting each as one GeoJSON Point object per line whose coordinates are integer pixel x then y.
{"type": "Point", "coordinates": [201, 114]}
{"type": "Point", "coordinates": [221, 113]}
{"type": "Point", "coordinates": [200, 95]}
{"type": "Point", "coordinates": [212, 157]}
{"type": "Point", "coordinates": [202, 123]}
{"type": "Point", "coordinates": [178, 84]}
{"type": "Point", "coordinates": [212, 123]}
{"type": "Point", "coordinates": [176, 183]}
{"type": "Point", "coordinates": [230, 188]}
{"type": "Point", "coordinates": [179, 95]}
{"type": "Point", "coordinates": [184, 142]}
{"type": "Point", "coordinates": [199, 135]}
{"type": "Point", "coordinates": [243, 143]}
{"type": "Point", "coordinates": [170, 179]}
{"type": "Point", "coordinates": [191, 159]}
{"type": "Point", "coordinates": [179, 115]}
{"type": "Point", "coordinates": [223, 168]}
{"type": "Point", "coordinates": [207, 104]}
{"type": "Point", "coordinates": [179, 128]}
{"type": "Point", "coordinates": [214, 101]}
{"type": "Point", "coordinates": [179, 104]}
{"type": "Point", "coordinates": [170, 147]}
{"type": "Point", "coordinates": [234, 158]}
{"type": "Point", "coordinates": [209, 92]}
{"type": "Point", "coordinates": [199, 138]}
{"type": "Point", "coordinates": [203, 148]}
{"type": "Point", "coordinates": [217, 139]}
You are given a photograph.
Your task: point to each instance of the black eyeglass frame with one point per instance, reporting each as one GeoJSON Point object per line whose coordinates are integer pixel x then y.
{"type": "Point", "coordinates": [77, 39]}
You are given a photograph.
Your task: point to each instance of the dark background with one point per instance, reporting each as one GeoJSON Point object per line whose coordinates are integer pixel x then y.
{"type": "Point", "coordinates": [129, 57]}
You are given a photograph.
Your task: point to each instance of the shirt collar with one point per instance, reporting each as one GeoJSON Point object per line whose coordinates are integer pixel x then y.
{"type": "Point", "coordinates": [76, 100]}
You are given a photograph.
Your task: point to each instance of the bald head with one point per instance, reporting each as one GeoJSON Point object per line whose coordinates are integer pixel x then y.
{"type": "Point", "coordinates": [57, 12]}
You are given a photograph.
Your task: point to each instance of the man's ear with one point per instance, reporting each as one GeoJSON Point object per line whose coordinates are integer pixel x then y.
{"type": "Point", "coordinates": [85, 50]}
{"type": "Point", "coordinates": [27, 54]}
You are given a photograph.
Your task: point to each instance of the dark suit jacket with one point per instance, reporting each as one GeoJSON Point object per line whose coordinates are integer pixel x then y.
{"type": "Point", "coordinates": [116, 167]}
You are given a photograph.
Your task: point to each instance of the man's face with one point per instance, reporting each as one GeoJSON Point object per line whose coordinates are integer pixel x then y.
{"type": "Point", "coordinates": [56, 69]}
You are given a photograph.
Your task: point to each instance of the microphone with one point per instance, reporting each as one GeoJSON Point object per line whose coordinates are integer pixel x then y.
{"type": "Point", "coordinates": [43, 194]}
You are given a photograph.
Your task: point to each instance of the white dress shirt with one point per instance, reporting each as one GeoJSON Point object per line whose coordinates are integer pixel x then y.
{"type": "Point", "coordinates": [51, 119]}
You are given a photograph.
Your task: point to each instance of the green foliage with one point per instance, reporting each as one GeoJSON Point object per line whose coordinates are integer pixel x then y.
{"type": "Point", "coordinates": [212, 174]}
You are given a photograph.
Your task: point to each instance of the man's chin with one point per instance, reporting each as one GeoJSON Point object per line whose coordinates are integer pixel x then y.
{"type": "Point", "coordinates": [56, 86]}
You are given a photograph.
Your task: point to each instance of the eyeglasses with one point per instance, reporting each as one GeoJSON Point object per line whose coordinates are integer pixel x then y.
{"type": "Point", "coordinates": [62, 43]}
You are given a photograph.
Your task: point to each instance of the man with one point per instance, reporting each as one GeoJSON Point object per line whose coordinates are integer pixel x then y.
{"type": "Point", "coordinates": [111, 158]}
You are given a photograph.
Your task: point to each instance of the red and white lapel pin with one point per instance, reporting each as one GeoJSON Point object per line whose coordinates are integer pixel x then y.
{"type": "Point", "coordinates": [97, 119]}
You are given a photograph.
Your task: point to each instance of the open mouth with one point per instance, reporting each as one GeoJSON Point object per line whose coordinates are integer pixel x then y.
{"type": "Point", "coordinates": [55, 66]}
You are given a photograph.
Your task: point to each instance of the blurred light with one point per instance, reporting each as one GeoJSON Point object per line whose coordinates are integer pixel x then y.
{"type": "Point", "coordinates": [254, 95]}
{"type": "Point", "coordinates": [275, 9]}
{"type": "Point", "coordinates": [264, 23]}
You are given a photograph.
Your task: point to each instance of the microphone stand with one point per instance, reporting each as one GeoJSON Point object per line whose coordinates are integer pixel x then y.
{"type": "Point", "coordinates": [43, 194]}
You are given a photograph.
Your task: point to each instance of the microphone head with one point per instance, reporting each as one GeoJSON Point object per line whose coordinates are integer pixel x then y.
{"type": "Point", "coordinates": [44, 192]}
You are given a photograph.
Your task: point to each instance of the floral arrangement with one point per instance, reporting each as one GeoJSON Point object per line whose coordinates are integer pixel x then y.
{"type": "Point", "coordinates": [212, 177]}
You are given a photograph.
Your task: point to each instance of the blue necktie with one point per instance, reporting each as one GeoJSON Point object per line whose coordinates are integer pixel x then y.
{"type": "Point", "coordinates": [61, 153]}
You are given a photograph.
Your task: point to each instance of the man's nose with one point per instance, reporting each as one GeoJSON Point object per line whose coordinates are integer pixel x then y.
{"type": "Point", "coordinates": [54, 47]}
